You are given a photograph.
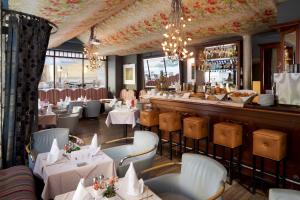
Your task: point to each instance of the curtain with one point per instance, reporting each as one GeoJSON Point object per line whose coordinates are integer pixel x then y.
{"type": "Point", "coordinates": [27, 43]}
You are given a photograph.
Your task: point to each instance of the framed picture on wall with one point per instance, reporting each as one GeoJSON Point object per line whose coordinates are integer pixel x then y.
{"type": "Point", "coordinates": [129, 74]}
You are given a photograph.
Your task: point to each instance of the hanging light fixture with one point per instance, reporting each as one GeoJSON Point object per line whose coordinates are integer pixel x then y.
{"type": "Point", "coordinates": [90, 51]}
{"type": "Point", "coordinates": [175, 39]}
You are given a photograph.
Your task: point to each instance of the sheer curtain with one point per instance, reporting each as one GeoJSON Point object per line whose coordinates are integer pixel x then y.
{"type": "Point", "coordinates": [26, 47]}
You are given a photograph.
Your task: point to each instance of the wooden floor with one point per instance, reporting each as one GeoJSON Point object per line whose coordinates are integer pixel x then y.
{"type": "Point", "coordinates": [87, 127]}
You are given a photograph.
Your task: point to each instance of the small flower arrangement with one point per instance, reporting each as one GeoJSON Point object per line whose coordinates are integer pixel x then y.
{"type": "Point", "coordinates": [110, 190]}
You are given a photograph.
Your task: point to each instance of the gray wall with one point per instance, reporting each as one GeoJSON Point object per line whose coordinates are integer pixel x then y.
{"type": "Point", "coordinates": [114, 74]}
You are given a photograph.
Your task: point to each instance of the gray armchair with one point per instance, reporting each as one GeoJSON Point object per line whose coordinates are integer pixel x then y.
{"type": "Point", "coordinates": [284, 194]}
{"type": "Point", "coordinates": [92, 109]}
{"type": "Point", "coordinates": [73, 104]}
{"type": "Point", "coordinates": [141, 152]}
{"type": "Point", "coordinates": [41, 142]}
{"type": "Point", "coordinates": [69, 121]}
{"type": "Point", "coordinates": [201, 178]}
{"type": "Point", "coordinates": [77, 109]}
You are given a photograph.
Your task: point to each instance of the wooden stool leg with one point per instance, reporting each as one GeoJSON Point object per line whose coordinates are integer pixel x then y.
{"type": "Point", "coordinates": [180, 143]}
{"type": "Point", "coordinates": [194, 145]}
{"type": "Point", "coordinates": [230, 166]}
{"type": "Point", "coordinates": [240, 160]}
{"type": "Point", "coordinates": [184, 144]}
{"type": "Point", "coordinates": [284, 172]}
{"type": "Point", "coordinates": [277, 173]}
{"type": "Point", "coordinates": [262, 167]}
{"type": "Point", "coordinates": [214, 150]}
{"type": "Point", "coordinates": [206, 147]}
{"type": "Point", "coordinates": [197, 146]}
{"type": "Point", "coordinates": [253, 174]}
{"type": "Point", "coordinates": [170, 146]}
{"type": "Point", "coordinates": [160, 142]}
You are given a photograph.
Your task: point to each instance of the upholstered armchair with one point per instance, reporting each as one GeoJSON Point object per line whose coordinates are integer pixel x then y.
{"type": "Point", "coordinates": [69, 121]}
{"type": "Point", "coordinates": [41, 142]}
{"type": "Point", "coordinates": [200, 178]}
{"type": "Point", "coordinates": [92, 109]}
{"type": "Point", "coordinates": [141, 152]}
{"type": "Point", "coordinates": [77, 109]}
{"type": "Point", "coordinates": [282, 194]}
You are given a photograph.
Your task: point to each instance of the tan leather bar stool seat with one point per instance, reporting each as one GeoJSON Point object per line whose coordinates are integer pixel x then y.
{"type": "Point", "coordinates": [170, 122]}
{"type": "Point", "coordinates": [195, 128]}
{"type": "Point", "coordinates": [269, 144]}
{"type": "Point", "coordinates": [149, 118]}
{"type": "Point", "coordinates": [228, 134]}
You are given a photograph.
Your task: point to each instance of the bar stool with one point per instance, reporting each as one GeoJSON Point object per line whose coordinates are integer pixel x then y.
{"type": "Point", "coordinates": [269, 144]}
{"type": "Point", "coordinates": [170, 122]}
{"type": "Point", "coordinates": [148, 119]}
{"type": "Point", "coordinates": [229, 135]}
{"type": "Point", "coordinates": [195, 128]}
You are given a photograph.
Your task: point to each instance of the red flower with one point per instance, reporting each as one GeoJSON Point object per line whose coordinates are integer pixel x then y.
{"type": "Point", "coordinates": [241, 1]}
{"type": "Point", "coordinates": [211, 1]}
{"type": "Point", "coordinates": [147, 23]}
{"type": "Point", "coordinates": [197, 5]}
{"type": "Point", "coordinates": [210, 29]}
{"type": "Point", "coordinates": [236, 24]}
{"type": "Point", "coordinates": [268, 12]}
{"type": "Point", "coordinates": [163, 16]}
{"type": "Point", "coordinates": [73, 1]}
{"type": "Point", "coordinates": [210, 9]}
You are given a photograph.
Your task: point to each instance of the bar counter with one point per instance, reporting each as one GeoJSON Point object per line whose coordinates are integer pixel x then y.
{"type": "Point", "coordinates": [252, 117]}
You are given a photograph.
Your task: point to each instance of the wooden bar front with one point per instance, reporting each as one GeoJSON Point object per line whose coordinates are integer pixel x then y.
{"type": "Point", "coordinates": [252, 118]}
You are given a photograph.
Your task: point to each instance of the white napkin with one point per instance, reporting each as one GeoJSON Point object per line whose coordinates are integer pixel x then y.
{"type": "Point", "coordinates": [85, 99]}
{"type": "Point", "coordinates": [54, 153]}
{"type": "Point", "coordinates": [49, 109]}
{"type": "Point", "coordinates": [112, 102]}
{"type": "Point", "coordinates": [134, 186]}
{"type": "Point", "coordinates": [94, 145]}
{"type": "Point", "coordinates": [81, 192]}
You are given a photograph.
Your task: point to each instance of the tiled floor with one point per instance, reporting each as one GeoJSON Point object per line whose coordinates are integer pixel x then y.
{"type": "Point", "coordinates": [87, 127]}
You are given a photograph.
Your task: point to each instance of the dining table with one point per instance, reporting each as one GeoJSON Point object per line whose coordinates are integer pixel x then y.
{"type": "Point", "coordinates": [123, 115]}
{"type": "Point", "coordinates": [64, 175]}
{"type": "Point", "coordinates": [121, 193]}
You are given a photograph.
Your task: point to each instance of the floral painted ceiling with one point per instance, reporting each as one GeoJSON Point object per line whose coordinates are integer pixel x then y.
{"type": "Point", "coordinates": [136, 26]}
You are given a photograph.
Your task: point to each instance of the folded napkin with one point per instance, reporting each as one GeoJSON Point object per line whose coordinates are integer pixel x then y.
{"type": "Point", "coordinates": [134, 186]}
{"type": "Point", "coordinates": [81, 193]}
{"type": "Point", "coordinates": [49, 109]}
{"type": "Point", "coordinates": [112, 102]}
{"type": "Point", "coordinates": [54, 153]}
{"type": "Point", "coordinates": [94, 145]}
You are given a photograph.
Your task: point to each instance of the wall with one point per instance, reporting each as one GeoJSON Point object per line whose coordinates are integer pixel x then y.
{"type": "Point", "coordinates": [114, 75]}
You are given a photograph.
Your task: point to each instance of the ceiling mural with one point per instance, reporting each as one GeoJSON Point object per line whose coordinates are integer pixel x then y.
{"type": "Point", "coordinates": [135, 26]}
{"type": "Point", "coordinates": [72, 17]}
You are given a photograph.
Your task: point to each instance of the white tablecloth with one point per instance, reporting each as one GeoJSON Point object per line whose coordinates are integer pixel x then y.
{"type": "Point", "coordinates": [121, 194]}
{"type": "Point", "coordinates": [122, 116]}
{"type": "Point", "coordinates": [64, 175]}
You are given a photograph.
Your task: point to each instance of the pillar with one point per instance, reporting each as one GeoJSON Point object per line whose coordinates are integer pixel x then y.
{"type": "Point", "coordinates": [247, 61]}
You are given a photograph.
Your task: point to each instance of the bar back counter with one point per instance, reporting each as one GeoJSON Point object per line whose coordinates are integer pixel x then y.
{"type": "Point", "coordinates": [251, 117]}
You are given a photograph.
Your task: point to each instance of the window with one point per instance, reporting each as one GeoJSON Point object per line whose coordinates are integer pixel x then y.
{"type": "Point", "coordinates": [95, 78]}
{"type": "Point", "coordinates": [154, 67]}
{"type": "Point", "coordinates": [68, 70]}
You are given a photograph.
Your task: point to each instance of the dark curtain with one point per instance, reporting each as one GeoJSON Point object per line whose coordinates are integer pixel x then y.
{"type": "Point", "coordinates": [27, 43]}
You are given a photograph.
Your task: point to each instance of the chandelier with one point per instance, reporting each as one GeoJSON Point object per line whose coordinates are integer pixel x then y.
{"type": "Point", "coordinates": [90, 51]}
{"type": "Point", "coordinates": [175, 39]}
